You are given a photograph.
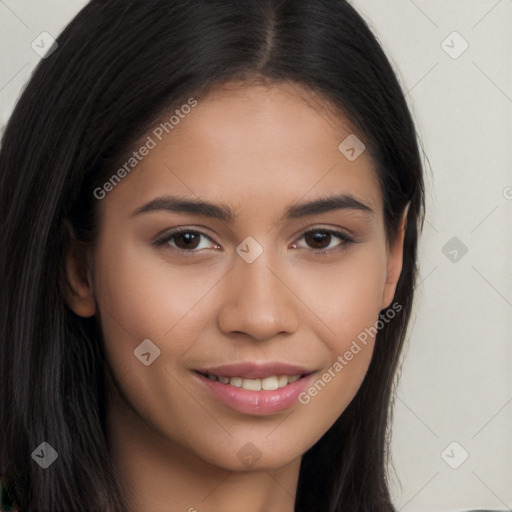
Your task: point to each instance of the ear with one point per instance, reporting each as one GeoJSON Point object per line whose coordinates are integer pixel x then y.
{"type": "Point", "coordinates": [394, 263]}
{"type": "Point", "coordinates": [78, 289]}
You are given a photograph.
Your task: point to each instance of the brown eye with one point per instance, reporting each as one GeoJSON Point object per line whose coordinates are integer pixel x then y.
{"type": "Point", "coordinates": [320, 240]}
{"type": "Point", "coordinates": [184, 239]}
{"type": "Point", "coordinates": [317, 239]}
{"type": "Point", "coordinates": [188, 240]}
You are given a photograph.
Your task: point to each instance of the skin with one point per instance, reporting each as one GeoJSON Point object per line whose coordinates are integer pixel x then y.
{"type": "Point", "coordinates": [258, 149]}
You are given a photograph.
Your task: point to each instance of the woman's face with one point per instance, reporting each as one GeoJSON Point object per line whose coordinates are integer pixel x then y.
{"type": "Point", "coordinates": [243, 293]}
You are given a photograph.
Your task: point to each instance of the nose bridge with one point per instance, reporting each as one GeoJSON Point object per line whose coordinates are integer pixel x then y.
{"type": "Point", "coordinates": [257, 301]}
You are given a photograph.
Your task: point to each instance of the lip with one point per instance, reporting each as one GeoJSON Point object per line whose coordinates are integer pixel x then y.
{"type": "Point", "coordinates": [253, 370]}
{"type": "Point", "coordinates": [257, 403]}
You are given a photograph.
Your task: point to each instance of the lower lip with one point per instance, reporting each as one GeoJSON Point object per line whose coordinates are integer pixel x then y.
{"type": "Point", "coordinates": [256, 402]}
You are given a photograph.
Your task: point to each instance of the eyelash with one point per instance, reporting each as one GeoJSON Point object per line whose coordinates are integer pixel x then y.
{"type": "Point", "coordinates": [169, 235]}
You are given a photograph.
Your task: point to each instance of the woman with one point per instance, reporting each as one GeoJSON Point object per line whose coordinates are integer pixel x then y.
{"type": "Point", "coordinates": [210, 214]}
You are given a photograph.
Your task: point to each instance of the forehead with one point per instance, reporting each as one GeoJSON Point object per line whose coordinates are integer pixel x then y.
{"type": "Point", "coordinates": [251, 146]}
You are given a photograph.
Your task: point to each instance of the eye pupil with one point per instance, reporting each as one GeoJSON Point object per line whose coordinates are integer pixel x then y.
{"type": "Point", "coordinates": [318, 236]}
{"type": "Point", "coordinates": [189, 237]}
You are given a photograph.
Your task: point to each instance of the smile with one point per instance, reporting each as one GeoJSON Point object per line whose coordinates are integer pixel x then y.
{"type": "Point", "coordinates": [255, 388]}
{"type": "Point", "coordinates": [270, 383]}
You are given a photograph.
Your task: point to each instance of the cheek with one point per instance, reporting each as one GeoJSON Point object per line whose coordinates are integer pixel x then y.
{"type": "Point", "coordinates": [139, 300]}
{"type": "Point", "coordinates": [346, 295]}
{"type": "Point", "coordinates": [348, 298]}
{"type": "Point", "coordinates": [145, 295]}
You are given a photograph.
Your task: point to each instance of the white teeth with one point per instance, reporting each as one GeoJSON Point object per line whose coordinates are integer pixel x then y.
{"type": "Point", "coordinates": [251, 384]}
{"type": "Point", "coordinates": [270, 383]}
{"type": "Point", "coordinates": [235, 381]}
{"type": "Point", "coordinates": [282, 381]}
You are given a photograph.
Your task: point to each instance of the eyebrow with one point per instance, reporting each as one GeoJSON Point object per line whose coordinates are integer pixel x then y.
{"type": "Point", "coordinates": [225, 213]}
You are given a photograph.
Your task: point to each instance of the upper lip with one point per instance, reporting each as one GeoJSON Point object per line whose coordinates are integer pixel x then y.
{"type": "Point", "coordinates": [254, 370]}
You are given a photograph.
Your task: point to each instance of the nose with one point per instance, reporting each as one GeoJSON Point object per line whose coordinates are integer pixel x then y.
{"type": "Point", "coordinates": [258, 300]}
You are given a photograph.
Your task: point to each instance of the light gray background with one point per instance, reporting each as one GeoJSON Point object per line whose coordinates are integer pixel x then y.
{"type": "Point", "coordinates": [455, 384]}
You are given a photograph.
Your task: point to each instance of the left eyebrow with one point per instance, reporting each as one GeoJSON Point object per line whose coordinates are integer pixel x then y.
{"type": "Point", "coordinates": [225, 213]}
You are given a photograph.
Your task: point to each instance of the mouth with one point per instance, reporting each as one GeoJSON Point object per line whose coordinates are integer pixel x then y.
{"type": "Point", "coordinates": [255, 388]}
{"type": "Point", "coordinates": [270, 383]}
